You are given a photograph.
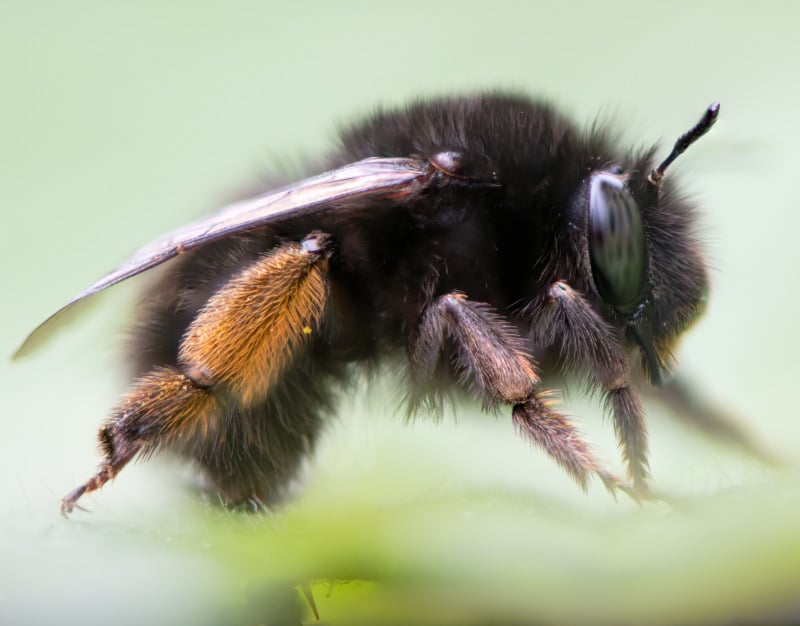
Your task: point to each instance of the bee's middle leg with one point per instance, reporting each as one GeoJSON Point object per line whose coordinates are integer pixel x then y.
{"type": "Point", "coordinates": [490, 355]}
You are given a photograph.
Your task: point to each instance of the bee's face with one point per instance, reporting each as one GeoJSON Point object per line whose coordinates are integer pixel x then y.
{"type": "Point", "coordinates": [651, 287]}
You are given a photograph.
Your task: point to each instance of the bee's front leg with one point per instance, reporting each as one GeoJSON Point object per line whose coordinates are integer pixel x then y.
{"type": "Point", "coordinates": [586, 344]}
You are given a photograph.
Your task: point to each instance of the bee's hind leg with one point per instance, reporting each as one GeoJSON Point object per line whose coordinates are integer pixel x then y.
{"type": "Point", "coordinates": [235, 353]}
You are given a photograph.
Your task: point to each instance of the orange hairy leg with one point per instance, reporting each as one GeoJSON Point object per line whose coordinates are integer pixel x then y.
{"type": "Point", "coordinates": [245, 336]}
{"type": "Point", "coordinates": [247, 333]}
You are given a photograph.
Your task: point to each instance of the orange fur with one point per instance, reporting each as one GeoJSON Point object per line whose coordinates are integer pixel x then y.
{"type": "Point", "coordinates": [166, 395]}
{"type": "Point", "coordinates": [248, 332]}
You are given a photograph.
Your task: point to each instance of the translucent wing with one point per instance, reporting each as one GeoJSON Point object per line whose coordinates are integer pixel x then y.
{"type": "Point", "coordinates": [370, 178]}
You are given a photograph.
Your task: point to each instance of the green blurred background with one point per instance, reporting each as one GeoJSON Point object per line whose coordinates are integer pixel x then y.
{"type": "Point", "coordinates": [123, 120]}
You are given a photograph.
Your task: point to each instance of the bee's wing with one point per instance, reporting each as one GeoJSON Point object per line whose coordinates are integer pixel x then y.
{"type": "Point", "coordinates": [370, 178]}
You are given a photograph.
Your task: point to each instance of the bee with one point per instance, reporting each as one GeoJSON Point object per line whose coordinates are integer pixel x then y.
{"type": "Point", "coordinates": [478, 241]}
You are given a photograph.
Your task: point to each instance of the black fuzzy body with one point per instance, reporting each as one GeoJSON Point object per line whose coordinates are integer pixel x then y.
{"type": "Point", "coordinates": [502, 241]}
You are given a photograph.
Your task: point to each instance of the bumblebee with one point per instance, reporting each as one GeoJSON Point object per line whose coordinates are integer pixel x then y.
{"type": "Point", "coordinates": [478, 241]}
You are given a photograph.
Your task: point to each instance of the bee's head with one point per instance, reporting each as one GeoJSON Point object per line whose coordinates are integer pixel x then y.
{"type": "Point", "coordinates": [644, 260]}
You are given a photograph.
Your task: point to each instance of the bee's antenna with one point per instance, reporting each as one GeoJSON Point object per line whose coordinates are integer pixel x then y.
{"type": "Point", "coordinates": [684, 141]}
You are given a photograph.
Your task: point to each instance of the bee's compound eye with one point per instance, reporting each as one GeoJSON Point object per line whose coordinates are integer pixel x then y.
{"type": "Point", "coordinates": [616, 241]}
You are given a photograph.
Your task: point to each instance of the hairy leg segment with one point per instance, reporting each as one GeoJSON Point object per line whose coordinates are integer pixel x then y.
{"type": "Point", "coordinates": [236, 350]}
{"type": "Point", "coordinates": [490, 357]}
